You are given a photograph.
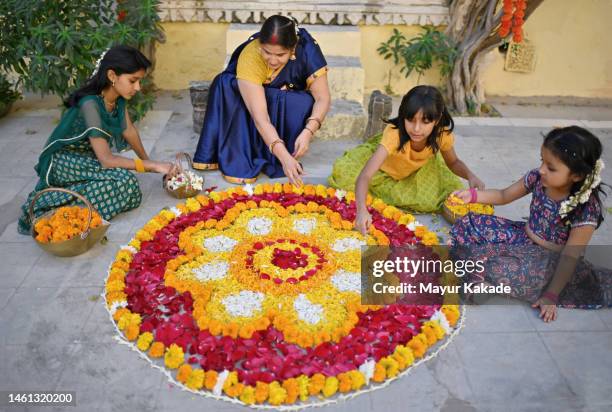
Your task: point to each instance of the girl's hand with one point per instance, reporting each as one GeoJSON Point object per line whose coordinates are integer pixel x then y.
{"type": "Point", "coordinates": [548, 310]}
{"type": "Point", "coordinates": [363, 221]}
{"type": "Point", "coordinates": [293, 170]}
{"type": "Point", "coordinates": [301, 144]}
{"type": "Point", "coordinates": [464, 195]}
{"type": "Point", "coordinates": [165, 168]}
{"type": "Point", "coordinates": [474, 181]}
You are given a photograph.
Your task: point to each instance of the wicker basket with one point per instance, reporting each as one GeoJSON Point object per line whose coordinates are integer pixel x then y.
{"type": "Point", "coordinates": [186, 191]}
{"type": "Point", "coordinates": [77, 244]}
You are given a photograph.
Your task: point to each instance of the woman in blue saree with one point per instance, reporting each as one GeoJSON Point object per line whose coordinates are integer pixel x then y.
{"type": "Point", "coordinates": [266, 106]}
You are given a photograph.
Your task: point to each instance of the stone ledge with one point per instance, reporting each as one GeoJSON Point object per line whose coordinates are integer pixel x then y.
{"type": "Point", "coordinates": [340, 12]}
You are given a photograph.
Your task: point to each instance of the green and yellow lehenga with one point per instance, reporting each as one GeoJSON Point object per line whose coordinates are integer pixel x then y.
{"type": "Point", "coordinates": [423, 190]}
{"type": "Point", "coordinates": [68, 161]}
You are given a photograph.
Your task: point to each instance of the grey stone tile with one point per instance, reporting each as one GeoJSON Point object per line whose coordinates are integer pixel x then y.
{"type": "Point", "coordinates": [112, 377]}
{"type": "Point", "coordinates": [17, 261]}
{"type": "Point", "coordinates": [10, 235]}
{"type": "Point", "coordinates": [45, 315]}
{"type": "Point", "coordinates": [584, 360]}
{"type": "Point", "coordinates": [5, 295]}
{"type": "Point", "coordinates": [505, 316]}
{"type": "Point", "coordinates": [510, 367]}
{"type": "Point", "coordinates": [606, 317]}
{"type": "Point", "coordinates": [569, 320]}
{"type": "Point", "coordinates": [30, 366]}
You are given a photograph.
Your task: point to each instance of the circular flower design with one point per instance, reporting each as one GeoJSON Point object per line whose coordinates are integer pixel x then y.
{"type": "Point", "coordinates": [255, 295]}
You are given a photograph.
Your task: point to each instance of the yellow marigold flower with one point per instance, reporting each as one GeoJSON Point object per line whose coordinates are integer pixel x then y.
{"type": "Point", "coordinates": [293, 390]}
{"type": "Point", "coordinates": [277, 394]}
{"type": "Point", "coordinates": [357, 379]}
{"type": "Point", "coordinates": [317, 381]}
{"type": "Point", "coordinates": [277, 188]}
{"type": "Point", "coordinates": [195, 381]}
{"type": "Point", "coordinates": [350, 197]}
{"type": "Point", "coordinates": [142, 235]}
{"type": "Point", "coordinates": [119, 313]}
{"type": "Point", "coordinates": [430, 239]}
{"type": "Point", "coordinates": [379, 373]}
{"type": "Point", "coordinates": [144, 341]}
{"type": "Point", "coordinates": [202, 200]}
{"type": "Point", "coordinates": [231, 330]}
{"type": "Point", "coordinates": [211, 379]}
{"type": "Point", "coordinates": [303, 382]}
{"type": "Point", "coordinates": [321, 190]}
{"type": "Point", "coordinates": [132, 331]}
{"type": "Point", "coordinates": [193, 205]}
{"type": "Point", "coordinates": [420, 231]}
{"type": "Point", "coordinates": [246, 331]}
{"type": "Point", "coordinates": [378, 204]}
{"type": "Point", "coordinates": [430, 333]}
{"type": "Point", "coordinates": [156, 350]}
{"type": "Point", "coordinates": [344, 382]}
{"type": "Point", "coordinates": [417, 345]}
{"type": "Point", "coordinates": [305, 340]}
{"type": "Point", "coordinates": [174, 356]}
{"type": "Point", "coordinates": [135, 243]}
{"type": "Point", "coordinates": [330, 387]}
{"type": "Point", "coordinates": [391, 366]}
{"type": "Point", "coordinates": [262, 391]}
{"type": "Point", "coordinates": [452, 314]}
{"type": "Point", "coordinates": [248, 395]}
{"type": "Point", "coordinates": [183, 373]}
{"type": "Point", "coordinates": [116, 296]}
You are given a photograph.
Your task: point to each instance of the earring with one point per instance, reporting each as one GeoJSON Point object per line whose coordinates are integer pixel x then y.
{"type": "Point", "coordinates": [292, 57]}
{"type": "Point", "coordinates": [113, 83]}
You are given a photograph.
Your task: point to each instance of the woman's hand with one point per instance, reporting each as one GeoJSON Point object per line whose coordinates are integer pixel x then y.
{"type": "Point", "coordinates": [302, 144]}
{"type": "Point", "coordinates": [548, 310]}
{"type": "Point", "coordinates": [474, 181]}
{"type": "Point", "coordinates": [363, 221]}
{"type": "Point", "coordinates": [293, 170]}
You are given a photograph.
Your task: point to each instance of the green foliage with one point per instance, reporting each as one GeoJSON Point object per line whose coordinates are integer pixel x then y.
{"type": "Point", "coordinates": [53, 45]}
{"type": "Point", "coordinates": [419, 53]}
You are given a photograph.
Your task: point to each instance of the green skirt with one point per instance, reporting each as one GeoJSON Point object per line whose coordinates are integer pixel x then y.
{"type": "Point", "coordinates": [111, 191]}
{"type": "Point", "coordinates": [424, 191]}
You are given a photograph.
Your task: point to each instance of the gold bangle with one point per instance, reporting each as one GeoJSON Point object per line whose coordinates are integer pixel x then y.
{"type": "Point", "coordinates": [274, 143]}
{"type": "Point", "coordinates": [139, 165]}
{"type": "Point", "coordinates": [310, 130]}
{"type": "Point", "coordinates": [315, 119]}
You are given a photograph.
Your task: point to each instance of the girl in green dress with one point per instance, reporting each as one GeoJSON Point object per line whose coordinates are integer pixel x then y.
{"type": "Point", "coordinates": [411, 165]}
{"type": "Point", "coordinates": [80, 154]}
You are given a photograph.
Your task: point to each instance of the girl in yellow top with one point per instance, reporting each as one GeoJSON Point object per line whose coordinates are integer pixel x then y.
{"type": "Point", "coordinates": [411, 165]}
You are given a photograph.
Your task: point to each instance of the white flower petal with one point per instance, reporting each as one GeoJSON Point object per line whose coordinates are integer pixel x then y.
{"type": "Point", "coordinates": [211, 271]}
{"type": "Point", "coordinates": [346, 281]}
{"type": "Point", "coordinates": [304, 226]}
{"type": "Point", "coordinates": [441, 318]}
{"type": "Point", "coordinates": [307, 311]}
{"type": "Point", "coordinates": [221, 378]}
{"type": "Point", "coordinates": [347, 243]}
{"type": "Point", "coordinates": [259, 226]}
{"type": "Point", "coordinates": [245, 303]}
{"type": "Point", "coordinates": [367, 369]}
{"type": "Point", "coordinates": [220, 243]}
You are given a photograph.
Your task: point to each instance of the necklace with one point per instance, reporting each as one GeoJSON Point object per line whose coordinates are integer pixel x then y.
{"type": "Point", "coordinates": [109, 105]}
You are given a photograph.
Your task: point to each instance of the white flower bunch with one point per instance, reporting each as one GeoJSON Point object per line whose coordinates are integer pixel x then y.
{"type": "Point", "coordinates": [582, 196]}
{"type": "Point", "coordinates": [99, 62]}
{"type": "Point", "coordinates": [186, 178]}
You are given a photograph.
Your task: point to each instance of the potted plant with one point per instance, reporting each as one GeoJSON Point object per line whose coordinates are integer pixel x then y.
{"type": "Point", "coordinates": [7, 96]}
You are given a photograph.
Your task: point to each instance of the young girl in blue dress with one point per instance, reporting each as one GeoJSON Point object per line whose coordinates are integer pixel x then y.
{"type": "Point", "coordinates": [541, 259]}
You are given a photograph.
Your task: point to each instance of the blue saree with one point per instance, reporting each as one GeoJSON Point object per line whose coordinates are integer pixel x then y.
{"type": "Point", "coordinates": [229, 140]}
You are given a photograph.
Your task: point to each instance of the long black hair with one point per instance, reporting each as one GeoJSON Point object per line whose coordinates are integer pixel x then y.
{"type": "Point", "coordinates": [430, 101]}
{"type": "Point", "coordinates": [279, 30]}
{"type": "Point", "coordinates": [579, 150]}
{"type": "Point", "coordinates": [121, 59]}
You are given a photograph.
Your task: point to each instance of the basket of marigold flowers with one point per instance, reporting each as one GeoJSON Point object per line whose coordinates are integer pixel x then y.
{"type": "Point", "coordinates": [455, 208]}
{"type": "Point", "coordinates": [67, 230]}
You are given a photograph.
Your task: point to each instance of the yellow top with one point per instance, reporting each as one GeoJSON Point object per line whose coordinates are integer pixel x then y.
{"type": "Point", "coordinates": [252, 67]}
{"type": "Point", "coordinates": [401, 164]}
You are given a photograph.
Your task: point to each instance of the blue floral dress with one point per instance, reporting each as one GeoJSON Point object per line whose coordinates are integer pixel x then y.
{"type": "Point", "coordinates": [512, 258]}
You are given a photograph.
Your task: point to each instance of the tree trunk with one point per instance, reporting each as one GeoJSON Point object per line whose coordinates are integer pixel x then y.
{"type": "Point", "coordinates": [474, 26]}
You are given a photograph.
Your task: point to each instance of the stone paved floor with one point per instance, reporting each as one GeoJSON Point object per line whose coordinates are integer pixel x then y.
{"type": "Point", "coordinates": [55, 333]}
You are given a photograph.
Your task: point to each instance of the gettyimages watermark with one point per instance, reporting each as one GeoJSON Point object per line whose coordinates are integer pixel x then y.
{"type": "Point", "coordinates": [487, 274]}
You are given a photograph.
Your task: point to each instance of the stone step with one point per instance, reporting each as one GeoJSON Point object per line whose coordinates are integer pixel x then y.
{"type": "Point", "coordinates": [346, 119]}
{"type": "Point", "coordinates": [334, 40]}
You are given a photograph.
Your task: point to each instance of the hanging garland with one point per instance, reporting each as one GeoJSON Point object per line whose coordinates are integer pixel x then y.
{"type": "Point", "coordinates": [513, 19]}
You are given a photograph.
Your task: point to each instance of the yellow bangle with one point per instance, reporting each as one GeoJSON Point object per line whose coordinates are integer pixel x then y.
{"type": "Point", "coordinates": [139, 165]}
{"type": "Point", "coordinates": [274, 143]}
